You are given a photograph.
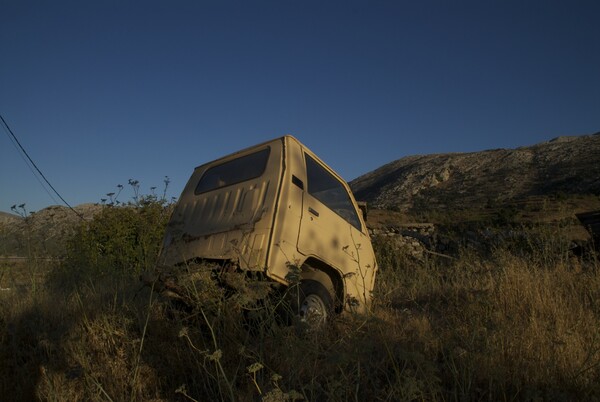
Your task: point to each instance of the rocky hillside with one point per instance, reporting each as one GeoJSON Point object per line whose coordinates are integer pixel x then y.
{"type": "Point", "coordinates": [548, 181]}
{"type": "Point", "coordinates": [42, 233]}
{"type": "Point", "coordinates": [563, 168]}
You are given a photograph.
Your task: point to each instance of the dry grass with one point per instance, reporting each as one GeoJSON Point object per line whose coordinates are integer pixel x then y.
{"type": "Point", "coordinates": [510, 326]}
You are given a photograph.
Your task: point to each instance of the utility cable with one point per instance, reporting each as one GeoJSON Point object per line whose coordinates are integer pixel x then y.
{"type": "Point", "coordinates": [14, 137]}
{"type": "Point", "coordinates": [30, 167]}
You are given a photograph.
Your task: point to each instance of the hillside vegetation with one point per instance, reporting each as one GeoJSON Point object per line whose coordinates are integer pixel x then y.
{"type": "Point", "coordinates": [519, 322]}
{"type": "Point", "coordinates": [480, 185]}
{"type": "Point", "coordinates": [508, 310]}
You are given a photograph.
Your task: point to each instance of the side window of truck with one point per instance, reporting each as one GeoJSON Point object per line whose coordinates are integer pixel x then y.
{"type": "Point", "coordinates": [235, 171]}
{"type": "Point", "coordinates": [330, 191]}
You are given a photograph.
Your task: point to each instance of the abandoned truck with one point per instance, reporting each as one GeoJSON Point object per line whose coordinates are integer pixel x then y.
{"type": "Point", "coordinates": [273, 208]}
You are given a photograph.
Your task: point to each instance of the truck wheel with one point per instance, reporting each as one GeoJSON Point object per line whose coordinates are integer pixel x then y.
{"type": "Point", "coordinates": [315, 304]}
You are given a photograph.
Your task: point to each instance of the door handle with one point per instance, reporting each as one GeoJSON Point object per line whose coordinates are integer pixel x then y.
{"type": "Point", "coordinates": [312, 211]}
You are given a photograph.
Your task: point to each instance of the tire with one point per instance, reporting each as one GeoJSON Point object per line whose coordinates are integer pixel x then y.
{"type": "Point", "coordinates": [313, 304]}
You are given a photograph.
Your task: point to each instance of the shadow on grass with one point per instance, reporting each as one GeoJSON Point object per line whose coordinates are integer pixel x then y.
{"type": "Point", "coordinates": [496, 329]}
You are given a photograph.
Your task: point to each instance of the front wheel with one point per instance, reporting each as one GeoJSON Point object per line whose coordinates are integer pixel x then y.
{"type": "Point", "coordinates": [314, 303]}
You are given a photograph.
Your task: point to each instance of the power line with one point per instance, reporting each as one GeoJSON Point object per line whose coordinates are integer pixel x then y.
{"type": "Point", "coordinates": [14, 137]}
{"type": "Point", "coordinates": [30, 167]}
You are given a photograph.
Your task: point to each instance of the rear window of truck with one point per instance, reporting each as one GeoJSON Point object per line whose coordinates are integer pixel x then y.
{"type": "Point", "coordinates": [235, 171]}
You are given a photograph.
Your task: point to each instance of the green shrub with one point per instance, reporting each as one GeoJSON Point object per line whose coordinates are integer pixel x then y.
{"type": "Point", "coordinates": [123, 240]}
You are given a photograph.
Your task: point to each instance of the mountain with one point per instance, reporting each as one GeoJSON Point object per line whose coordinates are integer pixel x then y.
{"type": "Point", "coordinates": [6, 218]}
{"type": "Point", "coordinates": [550, 181]}
{"type": "Point", "coordinates": [565, 167]}
{"type": "Point", "coordinates": [41, 233]}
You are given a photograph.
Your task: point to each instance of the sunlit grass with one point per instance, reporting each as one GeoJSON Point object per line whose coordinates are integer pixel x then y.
{"type": "Point", "coordinates": [514, 323]}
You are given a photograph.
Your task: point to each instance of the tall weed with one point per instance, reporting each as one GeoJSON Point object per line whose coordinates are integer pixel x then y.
{"type": "Point", "coordinates": [123, 240]}
{"type": "Point", "coordinates": [516, 323]}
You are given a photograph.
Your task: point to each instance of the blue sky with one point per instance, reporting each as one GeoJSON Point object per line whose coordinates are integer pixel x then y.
{"type": "Point", "coordinates": [99, 92]}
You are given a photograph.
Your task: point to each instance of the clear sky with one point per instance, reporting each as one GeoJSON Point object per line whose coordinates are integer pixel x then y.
{"type": "Point", "coordinates": [99, 92]}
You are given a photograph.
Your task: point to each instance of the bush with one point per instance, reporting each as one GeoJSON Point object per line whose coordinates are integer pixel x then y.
{"type": "Point", "coordinates": [121, 240]}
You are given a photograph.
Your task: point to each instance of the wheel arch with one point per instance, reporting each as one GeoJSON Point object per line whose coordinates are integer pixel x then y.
{"type": "Point", "coordinates": [317, 270]}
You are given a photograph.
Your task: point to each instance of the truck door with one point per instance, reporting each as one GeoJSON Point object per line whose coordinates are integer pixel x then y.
{"type": "Point", "coordinates": [331, 229]}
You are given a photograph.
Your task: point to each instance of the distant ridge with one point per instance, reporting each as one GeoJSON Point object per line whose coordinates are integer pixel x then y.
{"type": "Point", "coordinates": [46, 230]}
{"type": "Point", "coordinates": [564, 165]}
{"type": "Point", "coordinates": [5, 217]}
{"type": "Point", "coordinates": [485, 182]}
